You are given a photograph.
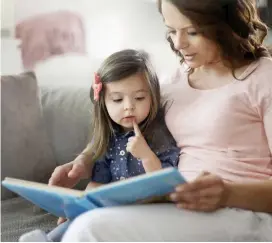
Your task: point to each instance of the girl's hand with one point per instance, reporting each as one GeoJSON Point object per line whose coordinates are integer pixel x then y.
{"type": "Point", "coordinates": [206, 193]}
{"type": "Point", "coordinates": [137, 145]}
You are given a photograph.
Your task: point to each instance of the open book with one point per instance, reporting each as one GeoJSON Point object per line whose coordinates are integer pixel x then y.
{"type": "Point", "coordinates": [69, 203]}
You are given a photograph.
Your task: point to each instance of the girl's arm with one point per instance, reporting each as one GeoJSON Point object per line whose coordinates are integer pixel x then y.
{"type": "Point", "coordinates": [167, 158]}
{"type": "Point", "coordinates": [151, 163]}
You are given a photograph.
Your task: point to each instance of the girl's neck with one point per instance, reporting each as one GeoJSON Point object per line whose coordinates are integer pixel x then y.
{"type": "Point", "coordinates": [125, 129]}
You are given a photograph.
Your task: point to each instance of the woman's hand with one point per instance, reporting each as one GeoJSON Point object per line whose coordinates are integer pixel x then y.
{"type": "Point", "coordinates": [68, 175]}
{"type": "Point", "coordinates": [206, 193]}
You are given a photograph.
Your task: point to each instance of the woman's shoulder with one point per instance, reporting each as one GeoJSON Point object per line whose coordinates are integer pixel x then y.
{"type": "Point", "coordinates": [265, 64]}
{"type": "Point", "coordinates": [261, 71]}
{"type": "Point", "coordinates": [171, 80]}
{"type": "Point", "coordinates": [262, 67]}
{"type": "Point", "coordinates": [176, 75]}
{"type": "Point", "coordinates": [259, 85]}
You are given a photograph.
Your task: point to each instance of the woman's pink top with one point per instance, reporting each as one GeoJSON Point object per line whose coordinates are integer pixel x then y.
{"type": "Point", "coordinates": [226, 131]}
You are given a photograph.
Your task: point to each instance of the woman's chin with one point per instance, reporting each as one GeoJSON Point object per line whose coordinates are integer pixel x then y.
{"type": "Point", "coordinates": [192, 64]}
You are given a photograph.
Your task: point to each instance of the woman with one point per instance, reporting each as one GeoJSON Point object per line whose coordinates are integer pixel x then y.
{"type": "Point", "coordinates": [220, 114]}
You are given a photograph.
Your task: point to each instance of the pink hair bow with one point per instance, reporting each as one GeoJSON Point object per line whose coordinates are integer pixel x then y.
{"type": "Point", "coordinates": [97, 86]}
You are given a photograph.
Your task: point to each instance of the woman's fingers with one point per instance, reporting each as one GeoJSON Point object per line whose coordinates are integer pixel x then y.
{"type": "Point", "coordinates": [68, 175]}
{"type": "Point", "coordinates": [77, 171]}
{"type": "Point", "coordinates": [191, 196]}
{"type": "Point", "coordinates": [205, 193]}
{"type": "Point", "coordinates": [196, 207]}
{"type": "Point", "coordinates": [201, 182]}
{"type": "Point", "coordinates": [58, 174]}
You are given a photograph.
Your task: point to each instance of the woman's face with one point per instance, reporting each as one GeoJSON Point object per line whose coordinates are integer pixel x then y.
{"type": "Point", "coordinates": [194, 47]}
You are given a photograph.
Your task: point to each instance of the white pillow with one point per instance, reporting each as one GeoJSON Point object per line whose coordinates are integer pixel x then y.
{"type": "Point", "coordinates": [69, 69]}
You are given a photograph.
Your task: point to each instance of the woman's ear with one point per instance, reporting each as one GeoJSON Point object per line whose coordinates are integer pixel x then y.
{"type": "Point", "coordinates": [269, 48]}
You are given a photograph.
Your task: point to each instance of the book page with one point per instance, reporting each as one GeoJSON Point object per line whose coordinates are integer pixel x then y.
{"type": "Point", "coordinates": [42, 186]}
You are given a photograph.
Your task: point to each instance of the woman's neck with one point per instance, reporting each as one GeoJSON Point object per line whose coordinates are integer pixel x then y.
{"type": "Point", "coordinates": [214, 75]}
{"type": "Point", "coordinates": [213, 68]}
{"type": "Point", "coordinates": [220, 67]}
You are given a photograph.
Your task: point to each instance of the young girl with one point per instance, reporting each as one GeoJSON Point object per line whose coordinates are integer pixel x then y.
{"type": "Point", "coordinates": [127, 111]}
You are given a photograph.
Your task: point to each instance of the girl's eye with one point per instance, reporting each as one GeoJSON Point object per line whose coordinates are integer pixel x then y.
{"type": "Point", "coordinates": [117, 100]}
{"type": "Point", "coordinates": [140, 98]}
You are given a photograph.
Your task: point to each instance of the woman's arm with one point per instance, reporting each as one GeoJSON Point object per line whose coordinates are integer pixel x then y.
{"type": "Point", "coordinates": [252, 196]}
{"type": "Point", "coordinates": [209, 192]}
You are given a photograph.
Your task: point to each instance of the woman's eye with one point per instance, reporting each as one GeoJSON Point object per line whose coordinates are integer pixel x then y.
{"type": "Point", "coordinates": [192, 33]}
{"type": "Point", "coordinates": [117, 100]}
{"type": "Point", "coordinates": [140, 98]}
{"type": "Point", "coordinates": [171, 32]}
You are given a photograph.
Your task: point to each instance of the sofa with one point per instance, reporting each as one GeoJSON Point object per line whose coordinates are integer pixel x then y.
{"type": "Point", "coordinates": [42, 126]}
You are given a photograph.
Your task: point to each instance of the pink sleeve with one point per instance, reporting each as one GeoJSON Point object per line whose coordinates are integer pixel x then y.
{"type": "Point", "coordinates": [261, 93]}
{"type": "Point", "coordinates": [268, 127]}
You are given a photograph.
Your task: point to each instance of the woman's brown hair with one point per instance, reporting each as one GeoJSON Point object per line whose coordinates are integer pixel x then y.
{"type": "Point", "coordinates": [233, 24]}
{"type": "Point", "coordinates": [116, 67]}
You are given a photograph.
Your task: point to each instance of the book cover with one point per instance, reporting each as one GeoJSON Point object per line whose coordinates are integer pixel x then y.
{"type": "Point", "coordinates": [69, 203]}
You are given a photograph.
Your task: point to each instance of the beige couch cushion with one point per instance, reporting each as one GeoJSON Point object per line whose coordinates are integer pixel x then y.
{"type": "Point", "coordinates": [26, 152]}
{"type": "Point", "coordinates": [67, 115]}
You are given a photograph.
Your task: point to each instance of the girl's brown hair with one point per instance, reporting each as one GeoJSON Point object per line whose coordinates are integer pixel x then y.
{"type": "Point", "coordinates": [116, 67]}
{"type": "Point", "coordinates": [233, 24]}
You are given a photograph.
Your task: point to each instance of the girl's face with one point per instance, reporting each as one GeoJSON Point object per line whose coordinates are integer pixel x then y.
{"type": "Point", "coordinates": [127, 100]}
{"type": "Point", "coordinates": [194, 47]}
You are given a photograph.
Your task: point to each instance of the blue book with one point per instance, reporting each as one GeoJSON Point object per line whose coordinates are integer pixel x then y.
{"type": "Point", "coordinates": [69, 203]}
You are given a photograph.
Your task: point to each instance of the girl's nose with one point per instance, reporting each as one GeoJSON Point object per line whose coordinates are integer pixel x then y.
{"type": "Point", "coordinates": [129, 105]}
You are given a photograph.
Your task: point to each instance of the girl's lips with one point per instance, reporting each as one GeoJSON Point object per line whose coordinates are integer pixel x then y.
{"type": "Point", "coordinates": [129, 118]}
